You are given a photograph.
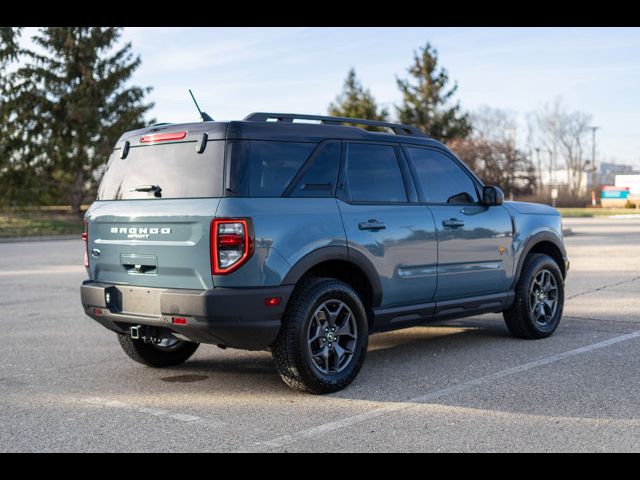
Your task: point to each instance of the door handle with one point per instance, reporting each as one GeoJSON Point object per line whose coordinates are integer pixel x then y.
{"type": "Point", "coordinates": [452, 223]}
{"type": "Point", "coordinates": [372, 225]}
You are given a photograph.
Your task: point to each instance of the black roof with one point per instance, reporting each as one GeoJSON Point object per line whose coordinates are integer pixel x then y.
{"type": "Point", "coordinates": [258, 126]}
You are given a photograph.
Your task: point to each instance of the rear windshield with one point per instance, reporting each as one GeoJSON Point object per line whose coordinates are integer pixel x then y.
{"type": "Point", "coordinates": [170, 170]}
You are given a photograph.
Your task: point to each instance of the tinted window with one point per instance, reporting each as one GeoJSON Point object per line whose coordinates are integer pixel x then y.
{"type": "Point", "coordinates": [319, 177]}
{"type": "Point", "coordinates": [442, 179]}
{"type": "Point", "coordinates": [265, 168]}
{"type": "Point", "coordinates": [176, 168]}
{"type": "Point", "coordinates": [373, 174]}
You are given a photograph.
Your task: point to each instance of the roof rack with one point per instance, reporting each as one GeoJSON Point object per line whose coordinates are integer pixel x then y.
{"type": "Point", "coordinates": [396, 128]}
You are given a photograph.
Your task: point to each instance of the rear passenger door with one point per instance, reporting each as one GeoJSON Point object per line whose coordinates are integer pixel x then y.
{"type": "Point", "coordinates": [475, 254]}
{"type": "Point", "coordinates": [383, 221]}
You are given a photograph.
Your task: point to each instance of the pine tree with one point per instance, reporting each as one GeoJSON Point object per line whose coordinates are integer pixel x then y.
{"type": "Point", "coordinates": [9, 52]}
{"type": "Point", "coordinates": [426, 101]}
{"type": "Point", "coordinates": [357, 102]}
{"type": "Point", "coordinates": [71, 105]}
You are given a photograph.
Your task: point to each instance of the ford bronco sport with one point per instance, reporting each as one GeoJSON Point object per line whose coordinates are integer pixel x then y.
{"type": "Point", "coordinates": [304, 238]}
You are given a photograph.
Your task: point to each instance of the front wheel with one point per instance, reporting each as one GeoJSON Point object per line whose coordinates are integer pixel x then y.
{"type": "Point", "coordinates": [323, 340]}
{"type": "Point", "coordinates": [539, 300]}
{"type": "Point", "coordinates": [168, 353]}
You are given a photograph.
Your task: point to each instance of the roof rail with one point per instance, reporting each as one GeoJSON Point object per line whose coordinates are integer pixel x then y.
{"type": "Point", "coordinates": [396, 128]}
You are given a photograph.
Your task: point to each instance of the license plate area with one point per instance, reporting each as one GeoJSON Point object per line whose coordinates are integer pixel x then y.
{"type": "Point", "coordinates": [140, 301]}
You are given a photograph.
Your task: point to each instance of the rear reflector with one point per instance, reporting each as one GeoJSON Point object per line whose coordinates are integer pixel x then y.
{"type": "Point", "coordinates": [97, 312]}
{"type": "Point", "coordinates": [179, 320]}
{"type": "Point", "coordinates": [162, 137]}
{"type": "Point", "coordinates": [272, 301]}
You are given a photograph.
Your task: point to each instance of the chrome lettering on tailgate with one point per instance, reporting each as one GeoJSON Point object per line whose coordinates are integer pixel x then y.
{"type": "Point", "coordinates": [141, 232]}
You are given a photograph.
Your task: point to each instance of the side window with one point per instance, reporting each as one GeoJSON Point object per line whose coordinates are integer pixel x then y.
{"type": "Point", "coordinates": [319, 177]}
{"type": "Point", "coordinates": [442, 179]}
{"type": "Point", "coordinates": [373, 174]}
{"type": "Point", "coordinates": [261, 168]}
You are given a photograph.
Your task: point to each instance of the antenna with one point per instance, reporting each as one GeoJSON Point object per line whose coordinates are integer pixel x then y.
{"type": "Point", "coordinates": [205, 117]}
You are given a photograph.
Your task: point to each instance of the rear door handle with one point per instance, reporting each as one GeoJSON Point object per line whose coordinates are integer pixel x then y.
{"type": "Point", "coordinates": [452, 223]}
{"type": "Point", "coordinates": [372, 225]}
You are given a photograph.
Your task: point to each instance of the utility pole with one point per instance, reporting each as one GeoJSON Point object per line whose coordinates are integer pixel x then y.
{"type": "Point", "coordinates": [511, 131]}
{"type": "Point", "coordinates": [593, 153]}
{"type": "Point", "coordinates": [539, 170]}
{"type": "Point", "coordinates": [553, 176]}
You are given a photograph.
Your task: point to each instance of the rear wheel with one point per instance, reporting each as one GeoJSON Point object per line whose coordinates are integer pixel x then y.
{"type": "Point", "coordinates": [168, 353]}
{"type": "Point", "coordinates": [323, 340]}
{"type": "Point", "coordinates": [539, 300]}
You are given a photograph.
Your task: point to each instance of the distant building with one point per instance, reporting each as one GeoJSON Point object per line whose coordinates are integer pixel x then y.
{"type": "Point", "coordinates": [632, 182]}
{"type": "Point", "coordinates": [608, 171]}
{"type": "Point", "coordinates": [561, 178]}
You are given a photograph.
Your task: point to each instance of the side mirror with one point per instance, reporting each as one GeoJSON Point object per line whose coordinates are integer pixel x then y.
{"type": "Point", "coordinates": [492, 196]}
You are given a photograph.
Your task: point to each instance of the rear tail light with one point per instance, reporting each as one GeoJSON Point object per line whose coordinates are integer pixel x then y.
{"type": "Point", "coordinates": [231, 244]}
{"type": "Point", "coordinates": [85, 239]}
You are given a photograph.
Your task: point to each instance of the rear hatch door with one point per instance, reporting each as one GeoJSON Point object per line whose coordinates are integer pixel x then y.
{"type": "Point", "coordinates": [150, 225]}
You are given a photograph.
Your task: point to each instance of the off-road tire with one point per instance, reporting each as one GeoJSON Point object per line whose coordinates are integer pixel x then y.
{"type": "Point", "coordinates": [290, 350]}
{"type": "Point", "coordinates": [152, 356]}
{"type": "Point", "coordinates": [518, 317]}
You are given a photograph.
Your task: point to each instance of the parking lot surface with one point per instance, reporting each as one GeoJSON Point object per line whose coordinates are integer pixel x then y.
{"type": "Point", "coordinates": [464, 385]}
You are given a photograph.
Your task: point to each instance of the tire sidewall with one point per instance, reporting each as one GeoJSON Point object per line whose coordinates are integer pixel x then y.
{"type": "Point", "coordinates": [334, 291]}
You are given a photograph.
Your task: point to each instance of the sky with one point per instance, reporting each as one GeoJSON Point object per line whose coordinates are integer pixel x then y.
{"type": "Point", "coordinates": [236, 71]}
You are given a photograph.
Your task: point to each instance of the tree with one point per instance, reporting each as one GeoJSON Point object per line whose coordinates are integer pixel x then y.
{"type": "Point", "coordinates": [357, 102]}
{"type": "Point", "coordinates": [498, 163]}
{"type": "Point", "coordinates": [71, 103]}
{"type": "Point", "coordinates": [565, 134]}
{"type": "Point", "coordinates": [9, 52]}
{"type": "Point", "coordinates": [426, 99]}
{"type": "Point", "coordinates": [492, 153]}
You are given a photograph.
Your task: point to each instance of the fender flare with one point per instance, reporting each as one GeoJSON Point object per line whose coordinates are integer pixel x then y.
{"type": "Point", "coordinates": [341, 253]}
{"type": "Point", "coordinates": [544, 236]}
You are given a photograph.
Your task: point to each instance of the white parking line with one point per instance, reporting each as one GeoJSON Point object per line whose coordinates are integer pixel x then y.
{"type": "Point", "coordinates": [54, 269]}
{"type": "Point", "coordinates": [151, 411]}
{"type": "Point", "coordinates": [348, 421]}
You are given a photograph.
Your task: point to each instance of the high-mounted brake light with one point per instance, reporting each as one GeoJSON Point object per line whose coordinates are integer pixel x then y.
{"type": "Point", "coordinates": [85, 239]}
{"type": "Point", "coordinates": [162, 137]}
{"type": "Point", "coordinates": [231, 244]}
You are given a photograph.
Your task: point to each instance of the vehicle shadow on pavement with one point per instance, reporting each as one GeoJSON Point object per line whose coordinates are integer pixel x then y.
{"type": "Point", "coordinates": [391, 357]}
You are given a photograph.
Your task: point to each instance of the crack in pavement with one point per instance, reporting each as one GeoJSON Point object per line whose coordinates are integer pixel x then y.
{"type": "Point", "coordinates": [601, 288]}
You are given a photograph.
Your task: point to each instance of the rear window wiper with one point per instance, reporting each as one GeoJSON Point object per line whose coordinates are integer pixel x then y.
{"type": "Point", "coordinates": [148, 188]}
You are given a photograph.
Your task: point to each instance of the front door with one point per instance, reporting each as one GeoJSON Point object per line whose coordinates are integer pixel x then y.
{"type": "Point", "coordinates": [383, 223]}
{"type": "Point", "coordinates": [475, 255]}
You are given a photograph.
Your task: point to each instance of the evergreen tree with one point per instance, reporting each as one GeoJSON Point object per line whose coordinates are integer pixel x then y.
{"type": "Point", "coordinates": [426, 101]}
{"type": "Point", "coordinates": [9, 52]}
{"type": "Point", "coordinates": [357, 102]}
{"type": "Point", "coordinates": [71, 104]}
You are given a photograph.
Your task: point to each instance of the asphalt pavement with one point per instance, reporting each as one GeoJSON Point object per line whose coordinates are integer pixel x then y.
{"type": "Point", "coordinates": [464, 385]}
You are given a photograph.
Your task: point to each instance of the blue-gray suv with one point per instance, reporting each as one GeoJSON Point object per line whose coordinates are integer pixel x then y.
{"type": "Point", "coordinates": [303, 235]}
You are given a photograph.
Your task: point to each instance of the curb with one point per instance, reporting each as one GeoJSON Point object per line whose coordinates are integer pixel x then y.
{"type": "Point", "coordinates": [43, 238]}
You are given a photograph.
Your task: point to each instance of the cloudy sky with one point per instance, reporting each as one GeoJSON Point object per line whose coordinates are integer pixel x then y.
{"type": "Point", "coordinates": [235, 71]}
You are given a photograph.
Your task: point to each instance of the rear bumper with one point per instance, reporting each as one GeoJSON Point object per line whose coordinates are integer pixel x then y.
{"type": "Point", "coordinates": [233, 317]}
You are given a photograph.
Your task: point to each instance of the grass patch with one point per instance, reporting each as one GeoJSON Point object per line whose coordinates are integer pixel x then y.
{"type": "Point", "coordinates": [32, 223]}
{"type": "Point", "coordinates": [596, 212]}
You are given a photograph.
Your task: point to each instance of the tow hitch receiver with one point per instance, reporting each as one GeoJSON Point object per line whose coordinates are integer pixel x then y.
{"type": "Point", "coordinates": [145, 333]}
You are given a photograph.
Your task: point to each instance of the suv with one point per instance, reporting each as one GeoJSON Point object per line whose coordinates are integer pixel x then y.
{"type": "Point", "coordinates": [304, 238]}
